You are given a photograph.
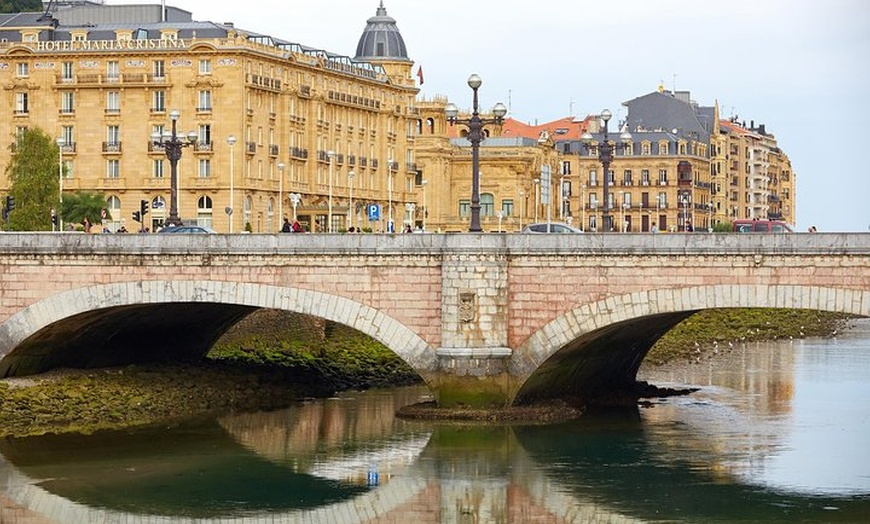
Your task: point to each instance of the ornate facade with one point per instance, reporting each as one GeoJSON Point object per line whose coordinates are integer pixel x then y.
{"type": "Point", "coordinates": [287, 130]}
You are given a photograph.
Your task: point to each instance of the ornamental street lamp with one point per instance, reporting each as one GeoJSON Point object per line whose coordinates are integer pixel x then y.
{"type": "Point", "coordinates": [60, 144]}
{"type": "Point", "coordinates": [410, 207]}
{"type": "Point", "coordinates": [172, 144]}
{"type": "Point", "coordinates": [390, 226]}
{"type": "Point", "coordinates": [330, 154]}
{"type": "Point", "coordinates": [280, 191]}
{"type": "Point", "coordinates": [605, 156]}
{"type": "Point", "coordinates": [425, 209]}
{"type": "Point", "coordinates": [475, 136]}
{"type": "Point", "coordinates": [231, 141]}
{"type": "Point", "coordinates": [350, 209]}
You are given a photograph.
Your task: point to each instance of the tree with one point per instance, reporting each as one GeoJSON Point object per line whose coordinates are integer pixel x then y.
{"type": "Point", "coordinates": [33, 180]}
{"type": "Point", "coordinates": [78, 206]}
{"type": "Point", "coordinates": [20, 6]}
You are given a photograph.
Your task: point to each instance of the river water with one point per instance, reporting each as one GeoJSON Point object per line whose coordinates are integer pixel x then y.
{"type": "Point", "coordinates": [778, 432]}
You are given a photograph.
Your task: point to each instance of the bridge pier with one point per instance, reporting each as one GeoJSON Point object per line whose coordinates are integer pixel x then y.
{"type": "Point", "coordinates": [472, 362]}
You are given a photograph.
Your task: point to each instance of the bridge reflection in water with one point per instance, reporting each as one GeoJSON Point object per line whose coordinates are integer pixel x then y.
{"type": "Point", "coordinates": [349, 460]}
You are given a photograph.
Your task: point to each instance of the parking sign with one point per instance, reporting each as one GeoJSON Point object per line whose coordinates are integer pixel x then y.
{"type": "Point", "coordinates": [374, 212]}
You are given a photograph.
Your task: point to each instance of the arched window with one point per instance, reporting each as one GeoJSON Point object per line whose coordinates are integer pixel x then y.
{"type": "Point", "coordinates": [270, 216]}
{"type": "Point", "coordinates": [204, 211]}
{"type": "Point", "coordinates": [419, 127]}
{"type": "Point", "coordinates": [113, 207]}
{"type": "Point", "coordinates": [249, 206]}
{"type": "Point", "coordinates": [430, 126]}
{"type": "Point", "coordinates": [487, 205]}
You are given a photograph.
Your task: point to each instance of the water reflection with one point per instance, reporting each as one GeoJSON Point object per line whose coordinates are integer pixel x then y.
{"type": "Point", "coordinates": [777, 433]}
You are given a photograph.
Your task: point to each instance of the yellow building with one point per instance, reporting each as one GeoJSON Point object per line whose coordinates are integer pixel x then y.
{"type": "Point", "coordinates": [287, 130]}
{"type": "Point", "coordinates": [271, 117]}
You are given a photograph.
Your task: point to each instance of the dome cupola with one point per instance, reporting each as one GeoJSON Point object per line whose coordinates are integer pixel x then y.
{"type": "Point", "coordinates": [381, 39]}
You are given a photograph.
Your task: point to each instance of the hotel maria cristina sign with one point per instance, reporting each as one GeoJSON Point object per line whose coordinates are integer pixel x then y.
{"type": "Point", "coordinates": [112, 45]}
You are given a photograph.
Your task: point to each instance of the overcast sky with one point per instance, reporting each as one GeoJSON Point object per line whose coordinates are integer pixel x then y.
{"type": "Point", "coordinates": [801, 67]}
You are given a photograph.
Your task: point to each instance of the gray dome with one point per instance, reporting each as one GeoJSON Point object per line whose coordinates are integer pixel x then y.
{"type": "Point", "coordinates": [381, 39]}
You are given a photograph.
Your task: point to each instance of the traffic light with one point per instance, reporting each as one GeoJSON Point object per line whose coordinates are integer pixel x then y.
{"type": "Point", "coordinates": [143, 208]}
{"type": "Point", "coordinates": [137, 216]}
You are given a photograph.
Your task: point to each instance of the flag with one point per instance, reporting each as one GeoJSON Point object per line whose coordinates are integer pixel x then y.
{"type": "Point", "coordinates": [420, 74]}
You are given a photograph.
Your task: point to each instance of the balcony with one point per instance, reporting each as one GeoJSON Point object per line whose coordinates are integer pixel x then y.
{"type": "Point", "coordinates": [156, 148]}
{"type": "Point", "coordinates": [298, 152]}
{"type": "Point", "coordinates": [203, 147]}
{"type": "Point", "coordinates": [273, 150]}
{"type": "Point", "coordinates": [251, 147]}
{"type": "Point", "coordinates": [112, 147]}
{"type": "Point", "coordinates": [68, 148]}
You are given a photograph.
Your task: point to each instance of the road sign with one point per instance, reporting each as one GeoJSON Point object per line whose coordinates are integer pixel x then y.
{"type": "Point", "coordinates": [374, 212]}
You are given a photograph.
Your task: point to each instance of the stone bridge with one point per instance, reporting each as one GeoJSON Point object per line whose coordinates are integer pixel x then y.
{"type": "Point", "coordinates": [485, 319]}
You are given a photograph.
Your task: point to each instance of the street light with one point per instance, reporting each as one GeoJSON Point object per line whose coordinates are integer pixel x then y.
{"type": "Point", "coordinates": [280, 191]}
{"type": "Point", "coordinates": [331, 155]}
{"type": "Point", "coordinates": [295, 198]}
{"type": "Point", "coordinates": [350, 210]}
{"type": "Point", "coordinates": [425, 209]}
{"type": "Point", "coordinates": [172, 144]}
{"type": "Point", "coordinates": [390, 227]}
{"type": "Point", "coordinates": [523, 209]}
{"type": "Point", "coordinates": [605, 156]}
{"type": "Point", "coordinates": [60, 144]}
{"type": "Point", "coordinates": [231, 141]}
{"type": "Point", "coordinates": [684, 199]}
{"type": "Point", "coordinates": [475, 136]}
{"type": "Point", "coordinates": [537, 182]}
{"type": "Point", "coordinates": [583, 206]}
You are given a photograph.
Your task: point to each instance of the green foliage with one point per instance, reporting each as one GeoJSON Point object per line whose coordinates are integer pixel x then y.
{"type": "Point", "coordinates": [32, 173]}
{"type": "Point", "coordinates": [20, 6]}
{"type": "Point", "coordinates": [739, 326]}
{"type": "Point", "coordinates": [78, 206]}
{"type": "Point", "coordinates": [248, 227]}
{"type": "Point", "coordinates": [723, 227]}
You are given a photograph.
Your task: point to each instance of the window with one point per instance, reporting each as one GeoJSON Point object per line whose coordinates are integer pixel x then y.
{"type": "Point", "coordinates": [67, 102]}
{"type": "Point", "coordinates": [158, 101]}
{"type": "Point", "coordinates": [566, 167]}
{"type": "Point", "coordinates": [593, 177]}
{"type": "Point", "coordinates": [23, 69]}
{"type": "Point", "coordinates": [113, 135]}
{"type": "Point", "coordinates": [205, 134]}
{"type": "Point", "coordinates": [159, 69]}
{"type": "Point", "coordinates": [204, 167]}
{"type": "Point", "coordinates": [113, 102]}
{"type": "Point", "coordinates": [113, 71]}
{"type": "Point", "coordinates": [204, 101]}
{"type": "Point", "coordinates": [205, 67]}
{"type": "Point", "coordinates": [204, 208]}
{"type": "Point", "coordinates": [21, 105]}
{"type": "Point", "coordinates": [662, 200]}
{"type": "Point", "coordinates": [66, 71]}
{"type": "Point", "coordinates": [464, 208]}
{"type": "Point", "coordinates": [507, 207]}
{"type": "Point", "coordinates": [487, 205]}
{"type": "Point", "coordinates": [68, 136]}
{"type": "Point", "coordinates": [645, 149]}
{"type": "Point", "coordinates": [593, 201]}
{"type": "Point", "coordinates": [663, 177]}
{"type": "Point", "coordinates": [113, 168]}
{"type": "Point", "coordinates": [626, 177]}
{"type": "Point", "coordinates": [663, 148]}
{"type": "Point", "coordinates": [644, 177]}
{"type": "Point", "coordinates": [158, 168]}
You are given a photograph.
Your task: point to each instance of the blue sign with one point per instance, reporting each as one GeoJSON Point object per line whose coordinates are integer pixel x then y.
{"type": "Point", "coordinates": [374, 212]}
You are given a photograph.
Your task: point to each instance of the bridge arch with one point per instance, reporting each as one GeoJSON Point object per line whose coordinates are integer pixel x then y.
{"type": "Point", "coordinates": [189, 315]}
{"type": "Point", "coordinates": [599, 346]}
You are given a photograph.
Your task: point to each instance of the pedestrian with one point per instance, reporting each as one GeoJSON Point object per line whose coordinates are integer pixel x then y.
{"type": "Point", "coordinates": [86, 225]}
{"type": "Point", "coordinates": [286, 228]}
{"type": "Point", "coordinates": [654, 228]}
{"type": "Point", "coordinates": [297, 227]}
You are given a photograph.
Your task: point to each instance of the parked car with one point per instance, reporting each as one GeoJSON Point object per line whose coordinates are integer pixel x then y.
{"type": "Point", "coordinates": [761, 226]}
{"type": "Point", "coordinates": [195, 230]}
{"type": "Point", "coordinates": [552, 227]}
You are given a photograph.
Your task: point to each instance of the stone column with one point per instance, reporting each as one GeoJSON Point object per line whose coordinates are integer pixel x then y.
{"type": "Point", "coordinates": [472, 360]}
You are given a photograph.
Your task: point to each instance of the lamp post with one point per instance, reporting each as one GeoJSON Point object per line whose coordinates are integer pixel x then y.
{"type": "Point", "coordinates": [390, 227]}
{"type": "Point", "coordinates": [475, 136]}
{"type": "Point", "coordinates": [172, 144]}
{"type": "Point", "coordinates": [231, 141]}
{"type": "Point", "coordinates": [523, 209]}
{"type": "Point", "coordinates": [500, 215]}
{"type": "Point", "coordinates": [350, 210]}
{"type": "Point", "coordinates": [537, 182]}
{"type": "Point", "coordinates": [331, 155]}
{"type": "Point", "coordinates": [60, 144]}
{"type": "Point", "coordinates": [280, 192]}
{"type": "Point", "coordinates": [425, 209]}
{"type": "Point", "coordinates": [605, 156]}
{"type": "Point", "coordinates": [295, 198]}
{"type": "Point", "coordinates": [583, 206]}
{"type": "Point", "coordinates": [684, 199]}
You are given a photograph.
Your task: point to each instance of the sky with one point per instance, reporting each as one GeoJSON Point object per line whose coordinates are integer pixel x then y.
{"type": "Point", "coordinates": [793, 65]}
